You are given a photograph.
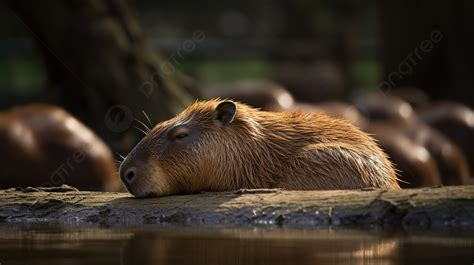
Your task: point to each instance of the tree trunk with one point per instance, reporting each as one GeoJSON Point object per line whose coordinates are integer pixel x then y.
{"type": "Point", "coordinates": [100, 64]}
{"type": "Point", "coordinates": [429, 208]}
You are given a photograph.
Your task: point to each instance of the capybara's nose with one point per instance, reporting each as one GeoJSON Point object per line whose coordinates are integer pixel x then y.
{"type": "Point", "coordinates": [128, 173]}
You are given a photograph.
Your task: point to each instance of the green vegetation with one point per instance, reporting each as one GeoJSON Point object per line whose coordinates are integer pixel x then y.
{"type": "Point", "coordinates": [22, 76]}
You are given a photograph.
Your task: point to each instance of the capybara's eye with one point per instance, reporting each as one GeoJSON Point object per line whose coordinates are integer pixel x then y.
{"type": "Point", "coordinates": [179, 133]}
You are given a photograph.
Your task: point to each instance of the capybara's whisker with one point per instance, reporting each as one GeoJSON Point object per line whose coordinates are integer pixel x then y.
{"type": "Point", "coordinates": [147, 118]}
{"type": "Point", "coordinates": [143, 124]}
{"type": "Point", "coordinates": [121, 156]}
{"type": "Point", "coordinates": [140, 130]}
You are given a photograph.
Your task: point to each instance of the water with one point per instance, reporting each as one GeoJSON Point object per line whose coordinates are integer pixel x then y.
{"type": "Point", "coordinates": [152, 245]}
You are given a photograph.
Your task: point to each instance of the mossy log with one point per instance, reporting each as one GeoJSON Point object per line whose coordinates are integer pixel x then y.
{"type": "Point", "coordinates": [428, 208]}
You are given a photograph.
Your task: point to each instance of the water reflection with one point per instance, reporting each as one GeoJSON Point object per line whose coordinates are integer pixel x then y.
{"type": "Point", "coordinates": [229, 246]}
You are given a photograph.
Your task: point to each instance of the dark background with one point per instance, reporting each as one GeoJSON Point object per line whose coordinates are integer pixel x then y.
{"type": "Point", "coordinates": [335, 49]}
{"type": "Point", "coordinates": [247, 39]}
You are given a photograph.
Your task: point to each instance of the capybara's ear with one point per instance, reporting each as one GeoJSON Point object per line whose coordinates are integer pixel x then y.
{"type": "Point", "coordinates": [225, 112]}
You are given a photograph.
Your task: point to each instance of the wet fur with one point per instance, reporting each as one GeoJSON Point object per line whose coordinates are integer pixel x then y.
{"type": "Point", "coordinates": [289, 150]}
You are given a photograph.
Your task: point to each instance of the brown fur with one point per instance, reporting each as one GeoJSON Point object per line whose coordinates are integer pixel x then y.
{"type": "Point", "coordinates": [456, 122]}
{"type": "Point", "coordinates": [416, 165]}
{"type": "Point", "coordinates": [43, 145]}
{"type": "Point", "coordinates": [336, 109]}
{"type": "Point", "coordinates": [289, 150]}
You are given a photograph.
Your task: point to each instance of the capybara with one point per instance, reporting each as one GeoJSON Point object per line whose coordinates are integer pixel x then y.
{"type": "Point", "coordinates": [221, 145]}
{"type": "Point", "coordinates": [417, 98]}
{"type": "Point", "coordinates": [397, 114]}
{"type": "Point", "coordinates": [43, 145]}
{"type": "Point", "coordinates": [450, 159]}
{"type": "Point", "coordinates": [417, 167]}
{"type": "Point", "coordinates": [456, 122]}
{"type": "Point", "coordinates": [378, 107]}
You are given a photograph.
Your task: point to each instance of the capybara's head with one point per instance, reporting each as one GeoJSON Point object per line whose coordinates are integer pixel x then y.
{"type": "Point", "coordinates": [181, 155]}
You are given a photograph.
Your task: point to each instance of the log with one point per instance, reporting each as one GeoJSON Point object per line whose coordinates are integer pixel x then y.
{"type": "Point", "coordinates": [440, 208]}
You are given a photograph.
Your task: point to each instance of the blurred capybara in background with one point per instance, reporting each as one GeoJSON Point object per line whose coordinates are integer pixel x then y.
{"type": "Point", "coordinates": [43, 145]}
{"type": "Point", "coordinates": [450, 160]}
{"type": "Point", "coordinates": [456, 122]}
{"type": "Point", "coordinates": [415, 164]}
{"type": "Point", "coordinates": [263, 94]}
{"type": "Point", "coordinates": [416, 97]}
{"type": "Point", "coordinates": [313, 82]}
{"type": "Point", "coordinates": [378, 107]}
